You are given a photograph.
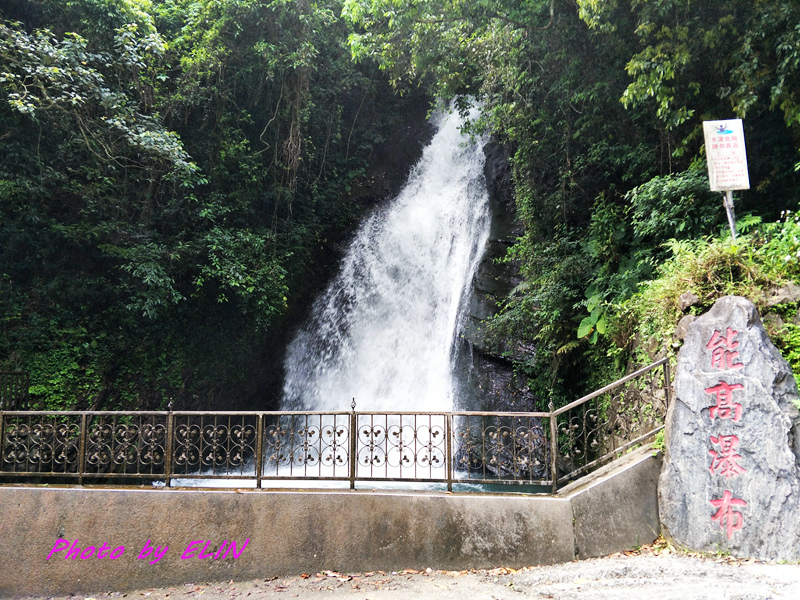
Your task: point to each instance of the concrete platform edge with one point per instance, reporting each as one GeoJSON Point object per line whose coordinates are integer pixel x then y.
{"type": "Point", "coordinates": [611, 510]}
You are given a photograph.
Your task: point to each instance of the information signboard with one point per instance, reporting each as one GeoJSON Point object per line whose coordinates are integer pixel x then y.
{"type": "Point", "coordinates": [726, 155]}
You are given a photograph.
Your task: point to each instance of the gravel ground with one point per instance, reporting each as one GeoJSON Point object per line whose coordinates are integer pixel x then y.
{"type": "Point", "coordinates": [653, 572]}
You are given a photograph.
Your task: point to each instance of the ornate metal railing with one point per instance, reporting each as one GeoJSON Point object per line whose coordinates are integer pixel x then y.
{"type": "Point", "coordinates": [543, 449]}
{"type": "Point", "coordinates": [600, 426]}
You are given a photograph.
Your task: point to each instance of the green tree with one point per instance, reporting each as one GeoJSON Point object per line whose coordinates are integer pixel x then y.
{"type": "Point", "coordinates": [170, 171]}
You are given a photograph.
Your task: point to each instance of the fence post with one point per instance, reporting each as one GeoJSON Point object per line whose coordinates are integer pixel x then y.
{"type": "Point", "coordinates": [259, 448]}
{"type": "Point", "coordinates": [553, 447]}
{"type": "Point", "coordinates": [353, 444]}
{"type": "Point", "coordinates": [168, 457]}
{"type": "Point", "coordinates": [82, 450]}
{"type": "Point", "coordinates": [667, 382]}
{"type": "Point", "coordinates": [449, 449]}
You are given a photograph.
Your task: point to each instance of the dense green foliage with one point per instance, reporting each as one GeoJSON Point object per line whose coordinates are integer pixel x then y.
{"type": "Point", "coordinates": [602, 102]}
{"type": "Point", "coordinates": [754, 265]}
{"type": "Point", "coordinates": [170, 171]}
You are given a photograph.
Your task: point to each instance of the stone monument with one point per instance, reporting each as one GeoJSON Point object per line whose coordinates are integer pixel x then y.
{"type": "Point", "coordinates": [731, 475]}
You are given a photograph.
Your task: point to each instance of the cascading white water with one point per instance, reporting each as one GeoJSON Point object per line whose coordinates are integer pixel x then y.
{"type": "Point", "coordinates": [383, 332]}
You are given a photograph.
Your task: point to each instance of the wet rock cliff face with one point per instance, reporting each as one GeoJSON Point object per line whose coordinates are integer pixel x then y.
{"type": "Point", "coordinates": [484, 374]}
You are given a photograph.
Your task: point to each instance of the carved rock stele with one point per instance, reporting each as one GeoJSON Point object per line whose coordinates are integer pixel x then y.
{"type": "Point", "coordinates": [731, 475]}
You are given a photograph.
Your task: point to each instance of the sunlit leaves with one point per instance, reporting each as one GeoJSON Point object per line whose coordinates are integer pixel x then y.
{"type": "Point", "coordinates": [438, 39]}
{"type": "Point", "coordinates": [655, 71]}
{"type": "Point", "coordinates": [47, 75]}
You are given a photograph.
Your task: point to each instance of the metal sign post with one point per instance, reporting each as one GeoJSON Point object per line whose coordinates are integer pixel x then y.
{"type": "Point", "coordinates": [727, 162]}
{"type": "Point", "coordinates": [727, 200]}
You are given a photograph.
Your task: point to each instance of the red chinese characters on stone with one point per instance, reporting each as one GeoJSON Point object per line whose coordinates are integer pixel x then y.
{"type": "Point", "coordinates": [724, 458]}
{"type": "Point", "coordinates": [723, 350]}
{"type": "Point", "coordinates": [729, 519]}
{"type": "Point", "coordinates": [726, 408]}
{"type": "Point", "coordinates": [725, 462]}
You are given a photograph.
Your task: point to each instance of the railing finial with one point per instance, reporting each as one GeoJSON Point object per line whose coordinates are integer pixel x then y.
{"type": "Point", "coordinates": [353, 405]}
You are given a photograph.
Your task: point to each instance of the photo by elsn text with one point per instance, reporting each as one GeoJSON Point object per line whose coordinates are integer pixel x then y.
{"type": "Point", "coordinates": [150, 553]}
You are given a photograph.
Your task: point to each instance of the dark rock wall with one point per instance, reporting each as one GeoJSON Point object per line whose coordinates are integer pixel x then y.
{"type": "Point", "coordinates": [484, 373]}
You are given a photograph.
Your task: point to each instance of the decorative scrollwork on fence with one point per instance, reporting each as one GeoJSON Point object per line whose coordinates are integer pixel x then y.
{"type": "Point", "coordinates": [493, 447]}
{"type": "Point", "coordinates": [596, 428]}
{"type": "Point", "coordinates": [219, 447]}
{"type": "Point", "coordinates": [397, 446]}
{"type": "Point", "coordinates": [306, 452]}
{"type": "Point", "coordinates": [372, 445]}
{"type": "Point", "coordinates": [278, 445]}
{"type": "Point", "coordinates": [579, 437]}
{"type": "Point", "coordinates": [40, 445]}
{"type": "Point", "coordinates": [335, 439]}
{"type": "Point", "coordinates": [534, 448]}
{"type": "Point", "coordinates": [409, 446]}
{"type": "Point", "coordinates": [306, 445]}
{"type": "Point", "coordinates": [134, 445]}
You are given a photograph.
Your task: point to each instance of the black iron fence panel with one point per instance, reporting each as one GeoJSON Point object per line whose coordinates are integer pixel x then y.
{"type": "Point", "coordinates": [41, 444]}
{"type": "Point", "coordinates": [532, 448]}
{"type": "Point", "coordinates": [502, 447]}
{"type": "Point", "coordinates": [401, 446]}
{"type": "Point", "coordinates": [312, 445]}
{"type": "Point", "coordinates": [131, 444]}
{"type": "Point", "coordinates": [213, 445]}
{"type": "Point", "coordinates": [600, 426]}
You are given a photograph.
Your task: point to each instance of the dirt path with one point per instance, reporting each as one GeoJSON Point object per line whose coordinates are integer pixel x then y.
{"type": "Point", "coordinates": [655, 572]}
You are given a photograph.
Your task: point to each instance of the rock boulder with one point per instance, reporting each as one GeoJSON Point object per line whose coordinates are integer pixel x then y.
{"type": "Point", "coordinates": [731, 475]}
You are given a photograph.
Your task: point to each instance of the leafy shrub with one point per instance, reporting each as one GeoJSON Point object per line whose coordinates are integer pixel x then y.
{"type": "Point", "coordinates": [711, 268]}
{"type": "Point", "coordinates": [675, 206]}
{"type": "Point", "coordinates": [778, 247]}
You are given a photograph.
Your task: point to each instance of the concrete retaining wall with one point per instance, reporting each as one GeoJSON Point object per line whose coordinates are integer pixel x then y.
{"type": "Point", "coordinates": [305, 532]}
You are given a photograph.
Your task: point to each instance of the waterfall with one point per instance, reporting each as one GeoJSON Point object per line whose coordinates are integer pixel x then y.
{"type": "Point", "coordinates": [384, 330]}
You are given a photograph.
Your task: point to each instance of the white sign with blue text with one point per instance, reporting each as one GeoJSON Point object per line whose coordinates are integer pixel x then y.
{"type": "Point", "coordinates": [726, 155]}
